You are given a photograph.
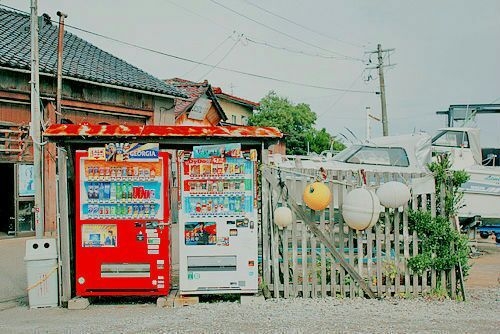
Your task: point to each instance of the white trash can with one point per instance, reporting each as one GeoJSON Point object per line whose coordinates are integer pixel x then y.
{"type": "Point", "coordinates": [41, 268]}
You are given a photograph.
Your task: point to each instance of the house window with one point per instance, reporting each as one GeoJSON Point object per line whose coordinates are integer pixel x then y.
{"type": "Point", "coordinates": [233, 119]}
{"type": "Point", "coordinates": [244, 120]}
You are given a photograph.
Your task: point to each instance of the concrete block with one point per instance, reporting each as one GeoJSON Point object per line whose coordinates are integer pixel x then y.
{"type": "Point", "coordinates": [247, 300]}
{"type": "Point", "coordinates": [161, 302]}
{"type": "Point", "coordinates": [78, 303]}
{"type": "Point", "coordinates": [181, 301]}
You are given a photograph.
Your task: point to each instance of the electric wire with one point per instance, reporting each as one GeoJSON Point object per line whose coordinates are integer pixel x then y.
{"type": "Point", "coordinates": [281, 32]}
{"type": "Point", "coordinates": [221, 60]}
{"type": "Point", "coordinates": [302, 26]}
{"type": "Point", "coordinates": [294, 51]}
{"type": "Point", "coordinates": [254, 41]}
{"type": "Point", "coordinates": [206, 57]}
{"type": "Point", "coordinates": [205, 64]}
{"type": "Point", "coordinates": [341, 95]}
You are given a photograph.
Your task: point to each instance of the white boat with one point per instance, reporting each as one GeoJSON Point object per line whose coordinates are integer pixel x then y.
{"type": "Point", "coordinates": [482, 191]}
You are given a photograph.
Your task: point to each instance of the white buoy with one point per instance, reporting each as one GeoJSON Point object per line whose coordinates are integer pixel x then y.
{"type": "Point", "coordinates": [361, 209]}
{"type": "Point", "coordinates": [393, 194]}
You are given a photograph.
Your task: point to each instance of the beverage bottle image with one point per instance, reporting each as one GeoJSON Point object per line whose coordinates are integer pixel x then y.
{"type": "Point", "coordinates": [94, 192]}
{"type": "Point", "coordinates": [118, 191]}
{"type": "Point", "coordinates": [106, 191]}
{"type": "Point", "coordinates": [90, 190]}
{"type": "Point", "coordinates": [237, 204]}
{"type": "Point", "coordinates": [129, 191]}
{"type": "Point", "coordinates": [100, 195]}
{"type": "Point", "coordinates": [112, 192]}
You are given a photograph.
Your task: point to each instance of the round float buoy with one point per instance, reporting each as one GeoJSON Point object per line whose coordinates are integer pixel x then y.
{"type": "Point", "coordinates": [317, 196]}
{"type": "Point", "coordinates": [393, 194]}
{"type": "Point", "coordinates": [361, 209]}
{"type": "Point", "coordinates": [283, 216]}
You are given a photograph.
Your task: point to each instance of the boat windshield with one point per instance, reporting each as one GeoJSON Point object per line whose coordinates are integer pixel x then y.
{"type": "Point", "coordinates": [451, 139]}
{"type": "Point", "coordinates": [369, 155]}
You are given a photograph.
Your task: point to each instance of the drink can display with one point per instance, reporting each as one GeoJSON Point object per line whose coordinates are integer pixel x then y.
{"type": "Point", "coordinates": [90, 172]}
{"type": "Point", "coordinates": [129, 210]}
{"type": "Point", "coordinates": [112, 211]}
{"type": "Point", "coordinates": [136, 171]}
{"type": "Point", "coordinates": [146, 173]}
{"type": "Point", "coordinates": [152, 211]}
{"type": "Point", "coordinates": [152, 173]}
{"type": "Point", "coordinates": [152, 194]}
{"type": "Point", "coordinates": [124, 171]}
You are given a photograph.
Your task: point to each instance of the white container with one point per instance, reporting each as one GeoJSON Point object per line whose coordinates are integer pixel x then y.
{"type": "Point", "coordinates": [41, 269]}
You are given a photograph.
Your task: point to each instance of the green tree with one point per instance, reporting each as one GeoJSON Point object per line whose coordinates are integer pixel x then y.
{"type": "Point", "coordinates": [296, 121]}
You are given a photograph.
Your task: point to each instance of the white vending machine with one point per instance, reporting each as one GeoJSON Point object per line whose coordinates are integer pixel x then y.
{"type": "Point", "coordinates": [218, 233]}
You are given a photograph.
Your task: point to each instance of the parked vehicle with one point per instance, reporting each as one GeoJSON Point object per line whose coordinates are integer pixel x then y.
{"type": "Point", "coordinates": [482, 191]}
{"type": "Point", "coordinates": [405, 154]}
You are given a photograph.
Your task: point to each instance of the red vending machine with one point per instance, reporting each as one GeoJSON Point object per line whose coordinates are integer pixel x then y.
{"type": "Point", "coordinates": [122, 215]}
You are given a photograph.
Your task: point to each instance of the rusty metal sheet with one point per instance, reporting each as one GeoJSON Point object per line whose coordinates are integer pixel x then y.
{"type": "Point", "coordinates": [92, 130]}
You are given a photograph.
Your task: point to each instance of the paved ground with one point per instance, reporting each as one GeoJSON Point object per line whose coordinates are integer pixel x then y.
{"type": "Point", "coordinates": [478, 314]}
{"type": "Point", "coordinates": [13, 280]}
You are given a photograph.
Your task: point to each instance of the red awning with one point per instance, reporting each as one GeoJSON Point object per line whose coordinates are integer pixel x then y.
{"type": "Point", "coordinates": [91, 130]}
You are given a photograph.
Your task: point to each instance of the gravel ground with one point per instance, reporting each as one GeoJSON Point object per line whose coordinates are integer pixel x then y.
{"type": "Point", "coordinates": [479, 314]}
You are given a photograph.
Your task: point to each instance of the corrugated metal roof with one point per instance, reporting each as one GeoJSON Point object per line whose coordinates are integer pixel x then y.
{"type": "Point", "coordinates": [81, 59]}
{"type": "Point", "coordinates": [91, 130]}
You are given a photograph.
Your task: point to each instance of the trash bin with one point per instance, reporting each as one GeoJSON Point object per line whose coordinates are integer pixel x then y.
{"type": "Point", "coordinates": [41, 268]}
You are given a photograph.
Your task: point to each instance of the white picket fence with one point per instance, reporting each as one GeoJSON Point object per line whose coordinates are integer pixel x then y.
{"type": "Point", "coordinates": [296, 263]}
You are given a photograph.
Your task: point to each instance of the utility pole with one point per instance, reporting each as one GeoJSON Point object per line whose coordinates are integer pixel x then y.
{"type": "Point", "coordinates": [35, 124]}
{"type": "Point", "coordinates": [60, 41]}
{"type": "Point", "coordinates": [380, 67]}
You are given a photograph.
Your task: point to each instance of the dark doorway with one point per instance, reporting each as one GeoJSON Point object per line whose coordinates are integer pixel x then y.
{"type": "Point", "coordinates": [7, 208]}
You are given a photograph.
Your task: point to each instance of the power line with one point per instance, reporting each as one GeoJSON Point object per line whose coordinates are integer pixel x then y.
{"type": "Point", "coordinates": [267, 44]}
{"type": "Point", "coordinates": [206, 57]}
{"type": "Point", "coordinates": [197, 14]}
{"type": "Point", "coordinates": [294, 51]}
{"type": "Point", "coordinates": [301, 25]}
{"type": "Point", "coordinates": [342, 95]}
{"type": "Point", "coordinates": [221, 60]}
{"type": "Point", "coordinates": [208, 65]}
{"type": "Point", "coordinates": [281, 32]}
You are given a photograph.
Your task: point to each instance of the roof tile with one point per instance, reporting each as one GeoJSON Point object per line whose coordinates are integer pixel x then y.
{"type": "Point", "coordinates": [81, 59]}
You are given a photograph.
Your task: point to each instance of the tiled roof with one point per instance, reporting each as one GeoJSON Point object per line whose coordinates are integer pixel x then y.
{"type": "Point", "coordinates": [193, 89]}
{"type": "Point", "coordinates": [220, 94]}
{"type": "Point", "coordinates": [81, 59]}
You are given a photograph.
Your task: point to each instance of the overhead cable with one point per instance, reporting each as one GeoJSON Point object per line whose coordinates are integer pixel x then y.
{"type": "Point", "coordinates": [281, 32]}
{"type": "Point", "coordinates": [208, 65]}
{"type": "Point", "coordinates": [302, 26]}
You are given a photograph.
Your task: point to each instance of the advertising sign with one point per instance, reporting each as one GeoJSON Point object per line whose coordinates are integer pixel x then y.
{"type": "Point", "coordinates": [25, 180]}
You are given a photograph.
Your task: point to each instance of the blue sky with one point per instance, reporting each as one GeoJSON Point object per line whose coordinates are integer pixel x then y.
{"type": "Point", "coordinates": [446, 52]}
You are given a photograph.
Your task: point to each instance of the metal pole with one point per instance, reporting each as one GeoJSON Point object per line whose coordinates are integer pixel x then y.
{"type": "Point", "coordinates": [368, 123]}
{"type": "Point", "coordinates": [35, 124]}
{"type": "Point", "coordinates": [60, 42]}
{"type": "Point", "coordinates": [385, 127]}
